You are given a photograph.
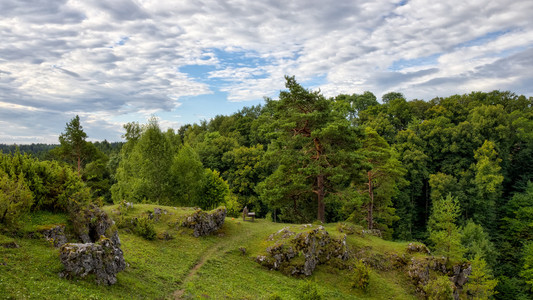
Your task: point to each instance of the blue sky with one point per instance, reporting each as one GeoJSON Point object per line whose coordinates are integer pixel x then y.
{"type": "Point", "coordinates": [119, 61]}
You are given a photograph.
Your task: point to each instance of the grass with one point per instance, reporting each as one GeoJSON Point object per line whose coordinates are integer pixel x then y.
{"type": "Point", "coordinates": [194, 268]}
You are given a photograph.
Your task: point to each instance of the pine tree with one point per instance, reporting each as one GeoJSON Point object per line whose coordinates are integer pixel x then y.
{"type": "Point", "coordinates": [443, 231]}
{"type": "Point", "coordinates": [480, 283]}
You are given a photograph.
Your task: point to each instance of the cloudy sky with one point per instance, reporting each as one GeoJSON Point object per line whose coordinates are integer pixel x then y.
{"type": "Point", "coordinates": [117, 61]}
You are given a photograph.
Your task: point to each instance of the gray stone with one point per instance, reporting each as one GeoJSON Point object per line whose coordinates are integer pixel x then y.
{"type": "Point", "coordinates": [316, 247]}
{"type": "Point", "coordinates": [204, 223]}
{"type": "Point", "coordinates": [55, 235]}
{"type": "Point", "coordinates": [103, 259]}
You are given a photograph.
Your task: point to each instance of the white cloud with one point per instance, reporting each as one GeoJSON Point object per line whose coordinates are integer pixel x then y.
{"type": "Point", "coordinates": [122, 59]}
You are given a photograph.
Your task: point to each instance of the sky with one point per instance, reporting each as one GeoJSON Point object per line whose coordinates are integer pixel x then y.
{"type": "Point", "coordinates": [119, 61]}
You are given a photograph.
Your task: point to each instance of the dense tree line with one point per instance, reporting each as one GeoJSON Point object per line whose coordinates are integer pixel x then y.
{"type": "Point", "coordinates": [455, 172]}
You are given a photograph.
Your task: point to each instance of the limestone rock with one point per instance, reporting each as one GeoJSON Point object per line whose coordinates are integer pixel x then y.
{"type": "Point", "coordinates": [299, 254]}
{"type": "Point", "coordinates": [205, 223]}
{"type": "Point", "coordinates": [90, 223]}
{"type": "Point", "coordinates": [421, 270]}
{"type": "Point", "coordinates": [104, 259]}
{"type": "Point", "coordinates": [55, 235]}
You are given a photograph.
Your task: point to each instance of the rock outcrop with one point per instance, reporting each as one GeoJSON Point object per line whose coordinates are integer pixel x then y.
{"type": "Point", "coordinates": [103, 259]}
{"type": "Point", "coordinates": [100, 252]}
{"type": "Point", "coordinates": [300, 253]}
{"type": "Point", "coordinates": [204, 223]}
{"type": "Point", "coordinates": [423, 269]}
{"type": "Point", "coordinates": [55, 235]}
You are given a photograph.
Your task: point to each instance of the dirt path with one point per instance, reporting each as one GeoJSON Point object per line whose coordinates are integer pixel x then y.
{"type": "Point", "coordinates": [178, 294]}
{"type": "Point", "coordinates": [216, 249]}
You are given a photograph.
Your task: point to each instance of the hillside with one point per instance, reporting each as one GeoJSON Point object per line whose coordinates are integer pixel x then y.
{"type": "Point", "coordinates": [178, 265]}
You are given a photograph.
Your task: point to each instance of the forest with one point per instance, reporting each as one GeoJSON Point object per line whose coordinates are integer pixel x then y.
{"type": "Point", "coordinates": [454, 173]}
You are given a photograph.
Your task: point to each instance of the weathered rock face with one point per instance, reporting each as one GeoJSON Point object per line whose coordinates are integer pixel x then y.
{"type": "Point", "coordinates": [100, 252]}
{"type": "Point", "coordinates": [300, 253]}
{"type": "Point", "coordinates": [205, 223]}
{"type": "Point", "coordinates": [422, 269]}
{"type": "Point", "coordinates": [91, 223]}
{"type": "Point", "coordinates": [55, 235]}
{"type": "Point", "coordinates": [103, 259]}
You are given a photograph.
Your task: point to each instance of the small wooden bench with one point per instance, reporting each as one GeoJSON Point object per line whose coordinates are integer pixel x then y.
{"type": "Point", "coordinates": [246, 213]}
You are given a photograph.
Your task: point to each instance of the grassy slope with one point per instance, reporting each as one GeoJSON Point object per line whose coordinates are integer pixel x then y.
{"type": "Point", "coordinates": [208, 267]}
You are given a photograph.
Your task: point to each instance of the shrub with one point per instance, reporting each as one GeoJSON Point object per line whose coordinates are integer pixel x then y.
{"type": "Point", "coordinates": [145, 228]}
{"type": "Point", "coordinates": [142, 226]}
{"type": "Point", "coordinates": [360, 275]}
{"type": "Point", "coordinates": [15, 200]}
{"type": "Point", "coordinates": [308, 291]}
{"type": "Point", "coordinates": [440, 288]}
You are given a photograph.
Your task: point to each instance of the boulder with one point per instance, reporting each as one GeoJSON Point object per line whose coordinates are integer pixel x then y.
{"type": "Point", "coordinates": [300, 253]}
{"type": "Point", "coordinates": [99, 253]}
{"type": "Point", "coordinates": [91, 222]}
{"type": "Point", "coordinates": [103, 259]}
{"type": "Point", "coordinates": [204, 223]}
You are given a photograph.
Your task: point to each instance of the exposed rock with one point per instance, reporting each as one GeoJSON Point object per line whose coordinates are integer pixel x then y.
{"type": "Point", "coordinates": [157, 213]}
{"type": "Point", "coordinates": [100, 252]}
{"type": "Point", "coordinates": [296, 254]}
{"type": "Point", "coordinates": [422, 270]}
{"type": "Point", "coordinates": [90, 223]}
{"type": "Point", "coordinates": [417, 248]}
{"type": "Point", "coordinates": [205, 223]}
{"type": "Point", "coordinates": [55, 235]}
{"type": "Point", "coordinates": [104, 259]}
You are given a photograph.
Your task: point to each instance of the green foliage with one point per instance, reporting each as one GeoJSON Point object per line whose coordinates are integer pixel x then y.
{"type": "Point", "coordinates": [480, 283]}
{"type": "Point", "coordinates": [443, 231]}
{"type": "Point", "coordinates": [477, 243]}
{"type": "Point", "coordinates": [53, 186]}
{"type": "Point", "coordinates": [383, 173]}
{"type": "Point", "coordinates": [246, 170]}
{"type": "Point", "coordinates": [313, 148]}
{"type": "Point", "coordinates": [145, 168]}
{"type": "Point", "coordinates": [439, 288]}
{"type": "Point", "coordinates": [15, 200]}
{"type": "Point", "coordinates": [189, 176]}
{"type": "Point", "coordinates": [144, 227]}
{"type": "Point", "coordinates": [527, 269]}
{"type": "Point", "coordinates": [214, 192]}
{"type": "Point", "coordinates": [360, 275]}
{"type": "Point", "coordinates": [308, 291]}
{"type": "Point", "coordinates": [73, 145]}
{"type": "Point", "coordinates": [487, 181]}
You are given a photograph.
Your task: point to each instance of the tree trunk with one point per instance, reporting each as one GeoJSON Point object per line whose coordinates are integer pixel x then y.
{"type": "Point", "coordinates": [320, 195]}
{"type": "Point", "coordinates": [370, 218]}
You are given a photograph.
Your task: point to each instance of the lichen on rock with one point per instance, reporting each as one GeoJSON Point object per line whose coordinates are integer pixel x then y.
{"type": "Point", "coordinates": [423, 269]}
{"type": "Point", "coordinates": [54, 234]}
{"type": "Point", "coordinates": [205, 223]}
{"type": "Point", "coordinates": [299, 253]}
{"type": "Point", "coordinates": [100, 252]}
{"type": "Point", "coordinates": [103, 259]}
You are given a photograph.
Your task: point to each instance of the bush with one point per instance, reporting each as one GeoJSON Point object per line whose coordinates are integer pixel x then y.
{"type": "Point", "coordinates": [142, 226]}
{"type": "Point", "coordinates": [440, 288]}
{"type": "Point", "coordinates": [15, 200]}
{"type": "Point", "coordinates": [308, 291]}
{"type": "Point", "coordinates": [360, 276]}
{"type": "Point", "coordinates": [145, 228]}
